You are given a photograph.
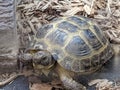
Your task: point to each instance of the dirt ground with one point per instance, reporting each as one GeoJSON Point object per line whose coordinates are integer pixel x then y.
{"type": "Point", "coordinates": [32, 14]}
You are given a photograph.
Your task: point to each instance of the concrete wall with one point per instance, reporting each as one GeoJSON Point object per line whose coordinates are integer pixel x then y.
{"type": "Point", "coordinates": [8, 36]}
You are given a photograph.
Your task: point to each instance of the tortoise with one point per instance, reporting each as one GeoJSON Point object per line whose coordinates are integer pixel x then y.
{"type": "Point", "coordinates": [71, 45]}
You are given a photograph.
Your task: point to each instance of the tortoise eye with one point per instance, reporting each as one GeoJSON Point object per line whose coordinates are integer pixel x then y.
{"type": "Point", "coordinates": [44, 61]}
{"type": "Point", "coordinates": [44, 58]}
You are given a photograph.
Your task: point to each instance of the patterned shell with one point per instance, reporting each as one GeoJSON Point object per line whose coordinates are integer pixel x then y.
{"type": "Point", "coordinates": [75, 42]}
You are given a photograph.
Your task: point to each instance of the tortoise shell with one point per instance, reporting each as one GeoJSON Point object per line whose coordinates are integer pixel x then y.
{"type": "Point", "coordinates": [75, 42]}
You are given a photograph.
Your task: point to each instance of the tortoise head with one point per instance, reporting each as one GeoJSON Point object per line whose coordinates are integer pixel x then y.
{"type": "Point", "coordinates": [35, 58]}
{"type": "Point", "coordinates": [41, 59]}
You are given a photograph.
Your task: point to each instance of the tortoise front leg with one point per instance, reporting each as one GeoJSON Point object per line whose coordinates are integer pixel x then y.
{"type": "Point", "coordinates": [24, 61]}
{"type": "Point", "coordinates": [68, 81]}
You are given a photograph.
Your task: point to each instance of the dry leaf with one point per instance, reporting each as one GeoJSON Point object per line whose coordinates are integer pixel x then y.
{"type": "Point", "coordinates": [28, 6]}
{"type": "Point", "coordinates": [102, 84]}
{"type": "Point", "coordinates": [87, 9]}
{"type": "Point", "coordinates": [46, 6]}
{"type": "Point", "coordinates": [93, 82]}
{"type": "Point", "coordinates": [72, 11]}
{"type": "Point", "coordinates": [99, 16]}
{"type": "Point", "coordinates": [117, 13]}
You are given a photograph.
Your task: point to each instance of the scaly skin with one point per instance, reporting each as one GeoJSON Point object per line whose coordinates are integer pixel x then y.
{"type": "Point", "coordinates": [66, 78]}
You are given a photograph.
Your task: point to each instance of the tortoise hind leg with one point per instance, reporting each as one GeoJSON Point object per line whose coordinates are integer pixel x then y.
{"type": "Point", "coordinates": [67, 80]}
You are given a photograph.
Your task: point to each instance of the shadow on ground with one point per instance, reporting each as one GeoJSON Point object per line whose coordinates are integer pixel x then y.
{"type": "Point", "coordinates": [20, 83]}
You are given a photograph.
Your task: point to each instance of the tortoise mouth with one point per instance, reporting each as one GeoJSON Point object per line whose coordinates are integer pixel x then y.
{"type": "Point", "coordinates": [39, 66]}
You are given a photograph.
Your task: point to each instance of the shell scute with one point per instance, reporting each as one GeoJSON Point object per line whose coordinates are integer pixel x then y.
{"type": "Point", "coordinates": [77, 47]}
{"type": "Point", "coordinates": [67, 62]}
{"type": "Point", "coordinates": [68, 26]}
{"type": "Point", "coordinates": [57, 37]}
{"type": "Point", "coordinates": [76, 66]}
{"type": "Point", "coordinates": [81, 23]}
{"type": "Point", "coordinates": [95, 61]}
{"type": "Point", "coordinates": [92, 39]}
{"type": "Point", "coordinates": [102, 57]}
{"type": "Point", "coordinates": [85, 64]}
{"type": "Point", "coordinates": [41, 33]}
{"type": "Point", "coordinates": [100, 34]}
